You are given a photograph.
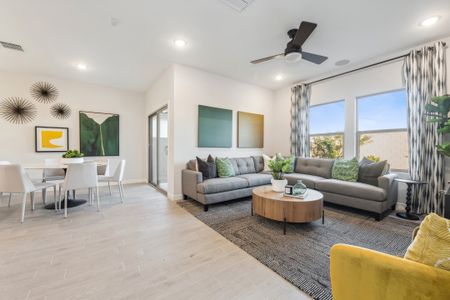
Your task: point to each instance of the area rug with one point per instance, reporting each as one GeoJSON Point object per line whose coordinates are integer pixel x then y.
{"type": "Point", "coordinates": [302, 255]}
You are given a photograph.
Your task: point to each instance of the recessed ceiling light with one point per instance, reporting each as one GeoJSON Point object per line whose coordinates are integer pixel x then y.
{"type": "Point", "coordinates": [342, 62]}
{"type": "Point", "coordinates": [429, 21]}
{"type": "Point", "coordinates": [81, 66]}
{"type": "Point", "coordinates": [279, 77]}
{"type": "Point", "coordinates": [180, 43]}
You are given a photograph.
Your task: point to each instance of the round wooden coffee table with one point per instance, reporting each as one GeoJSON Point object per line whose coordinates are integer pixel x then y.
{"type": "Point", "coordinates": [269, 204]}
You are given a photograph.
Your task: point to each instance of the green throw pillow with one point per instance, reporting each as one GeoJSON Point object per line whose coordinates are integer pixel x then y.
{"type": "Point", "coordinates": [224, 167]}
{"type": "Point", "coordinates": [345, 169]}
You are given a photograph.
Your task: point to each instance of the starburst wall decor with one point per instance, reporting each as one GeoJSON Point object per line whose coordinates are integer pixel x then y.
{"type": "Point", "coordinates": [60, 111]}
{"type": "Point", "coordinates": [17, 110]}
{"type": "Point", "coordinates": [44, 92]}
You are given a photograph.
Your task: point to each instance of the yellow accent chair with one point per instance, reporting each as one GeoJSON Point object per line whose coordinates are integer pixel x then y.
{"type": "Point", "coordinates": [362, 274]}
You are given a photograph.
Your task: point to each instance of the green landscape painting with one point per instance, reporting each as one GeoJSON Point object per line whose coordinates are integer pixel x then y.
{"type": "Point", "coordinates": [99, 134]}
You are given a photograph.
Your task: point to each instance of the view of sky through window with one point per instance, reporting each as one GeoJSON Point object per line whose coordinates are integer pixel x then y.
{"type": "Point", "coordinates": [382, 111]}
{"type": "Point", "coordinates": [327, 118]}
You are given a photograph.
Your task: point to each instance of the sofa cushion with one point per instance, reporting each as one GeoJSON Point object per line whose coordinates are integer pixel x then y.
{"type": "Point", "coordinates": [243, 165]}
{"type": "Point", "coordinates": [345, 169]}
{"type": "Point", "coordinates": [259, 163]}
{"type": "Point", "coordinates": [314, 166]}
{"type": "Point", "coordinates": [352, 189]}
{"type": "Point", "coordinates": [257, 179]}
{"type": "Point", "coordinates": [218, 185]}
{"type": "Point", "coordinates": [207, 167]}
{"type": "Point", "coordinates": [308, 180]}
{"type": "Point", "coordinates": [369, 171]}
{"type": "Point", "coordinates": [224, 167]}
{"type": "Point", "coordinates": [431, 246]}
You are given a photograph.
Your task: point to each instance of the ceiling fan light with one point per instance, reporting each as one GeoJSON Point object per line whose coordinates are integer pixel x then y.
{"type": "Point", "coordinates": [293, 57]}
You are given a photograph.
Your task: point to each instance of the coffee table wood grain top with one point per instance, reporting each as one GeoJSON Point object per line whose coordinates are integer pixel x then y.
{"type": "Point", "coordinates": [272, 205]}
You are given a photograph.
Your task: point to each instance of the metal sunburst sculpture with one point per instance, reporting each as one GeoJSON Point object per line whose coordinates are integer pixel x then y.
{"type": "Point", "coordinates": [44, 92]}
{"type": "Point", "coordinates": [60, 111]}
{"type": "Point", "coordinates": [17, 110]}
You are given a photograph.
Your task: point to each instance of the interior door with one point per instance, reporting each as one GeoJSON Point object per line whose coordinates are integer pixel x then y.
{"type": "Point", "coordinates": [158, 148]}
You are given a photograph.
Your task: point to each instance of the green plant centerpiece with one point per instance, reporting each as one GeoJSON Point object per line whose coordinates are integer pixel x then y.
{"type": "Point", "coordinates": [72, 156]}
{"type": "Point", "coordinates": [438, 112]}
{"type": "Point", "coordinates": [278, 167]}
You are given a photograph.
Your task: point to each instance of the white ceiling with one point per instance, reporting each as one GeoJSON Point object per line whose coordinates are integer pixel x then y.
{"type": "Point", "coordinates": [57, 34]}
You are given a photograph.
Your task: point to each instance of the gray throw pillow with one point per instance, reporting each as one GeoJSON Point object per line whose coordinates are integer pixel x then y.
{"type": "Point", "coordinates": [207, 168]}
{"type": "Point", "coordinates": [369, 171]}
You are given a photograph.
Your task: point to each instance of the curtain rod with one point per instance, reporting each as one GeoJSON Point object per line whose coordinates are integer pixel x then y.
{"type": "Point", "coordinates": [362, 68]}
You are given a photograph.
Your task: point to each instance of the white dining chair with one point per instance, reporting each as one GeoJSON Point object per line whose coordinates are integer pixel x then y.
{"type": "Point", "coordinates": [13, 179]}
{"type": "Point", "coordinates": [51, 174]}
{"type": "Point", "coordinates": [116, 177]}
{"type": "Point", "coordinates": [2, 163]}
{"type": "Point", "coordinates": [80, 176]}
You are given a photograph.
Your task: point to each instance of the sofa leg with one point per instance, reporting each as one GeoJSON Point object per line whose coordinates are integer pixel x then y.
{"type": "Point", "coordinates": [185, 197]}
{"type": "Point", "coordinates": [378, 217]}
{"type": "Point", "coordinates": [205, 207]}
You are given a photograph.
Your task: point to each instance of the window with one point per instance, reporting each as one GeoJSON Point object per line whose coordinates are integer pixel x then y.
{"type": "Point", "coordinates": [327, 130]}
{"type": "Point", "coordinates": [382, 131]}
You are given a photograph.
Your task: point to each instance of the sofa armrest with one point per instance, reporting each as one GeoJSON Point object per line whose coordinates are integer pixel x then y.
{"type": "Point", "coordinates": [189, 180]}
{"type": "Point", "coordinates": [388, 183]}
{"type": "Point", "coordinates": [359, 273]}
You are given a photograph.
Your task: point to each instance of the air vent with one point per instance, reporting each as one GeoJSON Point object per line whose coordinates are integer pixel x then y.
{"type": "Point", "coordinates": [11, 46]}
{"type": "Point", "coordinates": [238, 5]}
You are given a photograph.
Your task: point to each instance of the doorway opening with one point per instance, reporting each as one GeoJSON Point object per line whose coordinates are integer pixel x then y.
{"type": "Point", "coordinates": [158, 148]}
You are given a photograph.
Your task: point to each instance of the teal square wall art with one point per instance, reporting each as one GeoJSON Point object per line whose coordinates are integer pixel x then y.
{"type": "Point", "coordinates": [99, 134]}
{"type": "Point", "coordinates": [215, 127]}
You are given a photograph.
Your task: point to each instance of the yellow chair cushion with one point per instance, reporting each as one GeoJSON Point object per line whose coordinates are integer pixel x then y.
{"type": "Point", "coordinates": [432, 243]}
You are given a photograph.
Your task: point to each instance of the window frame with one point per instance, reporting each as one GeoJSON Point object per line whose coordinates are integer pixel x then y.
{"type": "Point", "coordinates": [329, 133]}
{"type": "Point", "coordinates": [359, 133]}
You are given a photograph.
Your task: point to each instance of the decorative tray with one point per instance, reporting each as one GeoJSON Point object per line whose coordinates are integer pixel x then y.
{"type": "Point", "coordinates": [296, 196]}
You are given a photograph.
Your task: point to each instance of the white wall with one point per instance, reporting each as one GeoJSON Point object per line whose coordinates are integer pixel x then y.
{"type": "Point", "coordinates": [17, 141]}
{"type": "Point", "coordinates": [194, 87]}
{"type": "Point", "coordinates": [160, 94]}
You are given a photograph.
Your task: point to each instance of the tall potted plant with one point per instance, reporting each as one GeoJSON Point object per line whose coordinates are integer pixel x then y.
{"type": "Point", "coordinates": [279, 166]}
{"type": "Point", "coordinates": [438, 112]}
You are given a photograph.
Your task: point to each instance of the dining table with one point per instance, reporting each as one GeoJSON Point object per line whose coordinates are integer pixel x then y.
{"type": "Point", "coordinates": [74, 202]}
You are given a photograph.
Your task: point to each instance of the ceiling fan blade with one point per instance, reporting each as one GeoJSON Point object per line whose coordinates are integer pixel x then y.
{"type": "Point", "coordinates": [314, 58]}
{"type": "Point", "coordinates": [303, 32]}
{"type": "Point", "coordinates": [261, 60]}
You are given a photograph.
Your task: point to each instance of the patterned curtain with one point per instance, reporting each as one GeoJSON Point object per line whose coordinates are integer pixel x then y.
{"type": "Point", "coordinates": [424, 73]}
{"type": "Point", "coordinates": [300, 120]}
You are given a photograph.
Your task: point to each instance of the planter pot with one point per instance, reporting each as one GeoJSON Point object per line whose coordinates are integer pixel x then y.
{"type": "Point", "coordinates": [75, 160]}
{"type": "Point", "coordinates": [278, 185]}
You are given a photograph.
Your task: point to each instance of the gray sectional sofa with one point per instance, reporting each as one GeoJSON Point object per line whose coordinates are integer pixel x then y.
{"type": "Point", "coordinates": [315, 174]}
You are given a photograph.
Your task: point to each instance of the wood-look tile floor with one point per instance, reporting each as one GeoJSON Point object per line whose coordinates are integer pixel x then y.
{"type": "Point", "coordinates": [146, 248]}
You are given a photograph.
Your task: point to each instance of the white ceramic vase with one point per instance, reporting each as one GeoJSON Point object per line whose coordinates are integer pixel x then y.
{"type": "Point", "coordinates": [279, 185]}
{"type": "Point", "coordinates": [74, 160]}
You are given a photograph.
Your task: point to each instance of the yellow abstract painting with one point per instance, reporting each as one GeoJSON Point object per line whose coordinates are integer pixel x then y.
{"type": "Point", "coordinates": [52, 139]}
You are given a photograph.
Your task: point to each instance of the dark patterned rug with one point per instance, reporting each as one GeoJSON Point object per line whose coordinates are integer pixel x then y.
{"type": "Point", "coordinates": [302, 255]}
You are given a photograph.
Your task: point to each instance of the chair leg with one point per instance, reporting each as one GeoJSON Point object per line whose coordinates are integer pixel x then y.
{"type": "Point", "coordinates": [44, 195]}
{"type": "Point", "coordinates": [109, 186]}
{"type": "Point", "coordinates": [32, 200]}
{"type": "Point", "coordinates": [9, 200]}
{"type": "Point", "coordinates": [73, 195]}
{"type": "Point", "coordinates": [120, 191]}
{"type": "Point", "coordinates": [24, 202]}
{"type": "Point", "coordinates": [65, 203]}
{"type": "Point", "coordinates": [98, 198]}
{"type": "Point", "coordinates": [54, 194]}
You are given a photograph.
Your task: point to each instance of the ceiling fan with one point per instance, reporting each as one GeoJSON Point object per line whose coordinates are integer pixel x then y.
{"type": "Point", "coordinates": [293, 51]}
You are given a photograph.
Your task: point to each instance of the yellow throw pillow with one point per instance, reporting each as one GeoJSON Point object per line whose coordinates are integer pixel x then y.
{"type": "Point", "coordinates": [432, 243]}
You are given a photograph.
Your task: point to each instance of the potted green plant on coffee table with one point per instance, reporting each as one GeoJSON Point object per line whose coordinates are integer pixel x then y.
{"type": "Point", "coordinates": [278, 167]}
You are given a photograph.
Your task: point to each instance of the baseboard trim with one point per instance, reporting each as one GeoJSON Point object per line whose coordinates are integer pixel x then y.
{"type": "Point", "coordinates": [127, 181]}
{"type": "Point", "coordinates": [174, 197]}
